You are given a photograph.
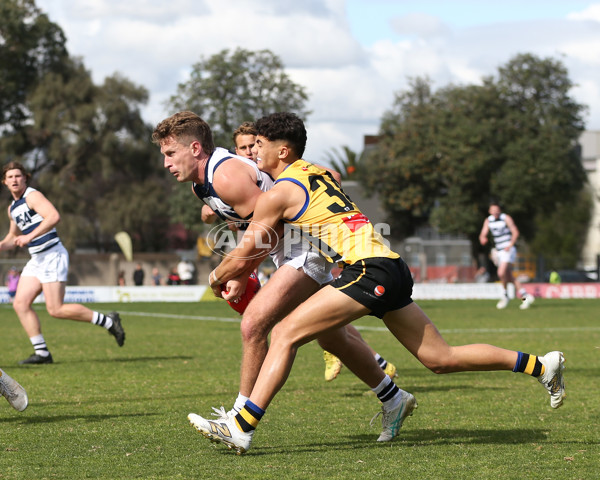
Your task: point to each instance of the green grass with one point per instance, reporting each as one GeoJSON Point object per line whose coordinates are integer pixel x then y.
{"type": "Point", "coordinates": [120, 413]}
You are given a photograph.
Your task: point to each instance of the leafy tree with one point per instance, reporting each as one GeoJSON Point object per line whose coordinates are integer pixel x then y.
{"type": "Point", "coordinates": [229, 88]}
{"type": "Point", "coordinates": [560, 235]}
{"type": "Point", "coordinates": [91, 155]}
{"type": "Point", "coordinates": [345, 161]}
{"type": "Point", "coordinates": [30, 46]}
{"type": "Point", "coordinates": [444, 155]}
{"type": "Point", "coordinates": [86, 145]}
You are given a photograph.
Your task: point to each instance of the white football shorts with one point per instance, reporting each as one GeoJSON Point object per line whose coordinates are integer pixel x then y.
{"type": "Point", "coordinates": [301, 255]}
{"type": "Point", "coordinates": [507, 256]}
{"type": "Point", "coordinates": [49, 266]}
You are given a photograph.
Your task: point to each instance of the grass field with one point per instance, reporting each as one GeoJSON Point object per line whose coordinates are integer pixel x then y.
{"type": "Point", "coordinates": [120, 413]}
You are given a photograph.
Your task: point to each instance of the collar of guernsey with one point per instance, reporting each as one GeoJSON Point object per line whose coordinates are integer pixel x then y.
{"type": "Point", "coordinates": [329, 219]}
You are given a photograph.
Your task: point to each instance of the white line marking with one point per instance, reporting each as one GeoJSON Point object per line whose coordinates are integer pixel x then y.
{"type": "Point", "coordinates": [374, 329]}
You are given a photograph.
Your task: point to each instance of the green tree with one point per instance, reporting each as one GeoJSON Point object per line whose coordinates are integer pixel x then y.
{"type": "Point", "coordinates": [87, 146]}
{"type": "Point", "coordinates": [30, 46]}
{"type": "Point", "coordinates": [229, 88]}
{"type": "Point", "coordinates": [444, 155]}
{"type": "Point", "coordinates": [92, 157]}
{"type": "Point", "coordinates": [560, 235]}
{"type": "Point", "coordinates": [345, 161]}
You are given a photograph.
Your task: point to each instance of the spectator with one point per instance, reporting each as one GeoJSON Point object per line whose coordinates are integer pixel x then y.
{"type": "Point", "coordinates": [121, 279]}
{"type": "Point", "coordinates": [12, 280]}
{"type": "Point", "coordinates": [173, 277]}
{"type": "Point", "coordinates": [156, 277]}
{"type": "Point", "coordinates": [138, 275]}
{"type": "Point", "coordinates": [185, 269]}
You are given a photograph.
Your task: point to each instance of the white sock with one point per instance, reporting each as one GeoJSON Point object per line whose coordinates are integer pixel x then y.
{"type": "Point", "coordinates": [381, 361]}
{"type": "Point", "coordinates": [102, 320]}
{"type": "Point", "coordinates": [240, 401]}
{"type": "Point", "coordinates": [39, 345]}
{"type": "Point", "coordinates": [388, 393]}
{"type": "Point", "coordinates": [523, 293]}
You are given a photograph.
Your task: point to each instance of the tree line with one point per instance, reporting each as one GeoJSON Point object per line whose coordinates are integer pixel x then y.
{"type": "Point", "coordinates": [441, 155]}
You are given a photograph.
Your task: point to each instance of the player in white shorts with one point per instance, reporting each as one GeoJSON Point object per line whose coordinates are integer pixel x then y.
{"type": "Point", "coordinates": [229, 185]}
{"type": "Point", "coordinates": [503, 230]}
{"type": "Point", "coordinates": [32, 225]}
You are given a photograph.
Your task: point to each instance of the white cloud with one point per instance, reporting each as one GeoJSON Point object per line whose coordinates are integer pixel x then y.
{"type": "Point", "coordinates": [155, 43]}
{"type": "Point", "coordinates": [590, 13]}
{"type": "Point", "coordinates": [419, 24]}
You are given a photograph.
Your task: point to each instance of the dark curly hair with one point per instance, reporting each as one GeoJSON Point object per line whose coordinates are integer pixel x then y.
{"type": "Point", "coordinates": [283, 126]}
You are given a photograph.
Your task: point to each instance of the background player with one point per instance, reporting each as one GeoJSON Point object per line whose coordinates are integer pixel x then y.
{"type": "Point", "coordinates": [32, 224]}
{"type": "Point", "coordinates": [505, 234]}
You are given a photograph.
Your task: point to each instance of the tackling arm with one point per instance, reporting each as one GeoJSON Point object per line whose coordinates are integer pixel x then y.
{"type": "Point", "coordinates": [261, 236]}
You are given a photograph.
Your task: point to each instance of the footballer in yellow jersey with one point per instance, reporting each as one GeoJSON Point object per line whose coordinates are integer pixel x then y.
{"type": "Point", "coordinates": [368, 284]}
{"type": "Point", "coordinates": [373, 274]}
{"type": "Point", "coordinates": [333, 223]}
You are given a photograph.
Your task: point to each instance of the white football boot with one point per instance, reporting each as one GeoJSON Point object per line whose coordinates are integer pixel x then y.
{"type": "Point", "coordinates": [392, 419]}
{"type": "Point", "coordinates": [527, 301]}
{"type": "Point", "coordinates": [13, 392]}
{"type": "Point", "coordinates": [502, 303]}
{"type": "Point", "coordinates": [223, 430]}
{"type": "Point", "coordinates": [552, 379]}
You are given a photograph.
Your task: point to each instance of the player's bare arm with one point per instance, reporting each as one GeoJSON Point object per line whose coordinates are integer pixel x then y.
{"type": "Point", "coordinates": [207, 215]}
{"type": "Point", "coordinates": [483, 236]}
{"type": "Point", "coordinates": [235, 183]}
{"type": "Point", "coordinates": [8, 241]}
{"type": "Point", "coordinates": [513, 230]}
{"type": "Point", "coordinates": [284, 200]}
{"type": "Point", "coordinates": [38, 202]}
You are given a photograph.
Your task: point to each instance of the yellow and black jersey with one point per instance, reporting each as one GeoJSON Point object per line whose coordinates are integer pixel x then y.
{"type": "Point", "coordinates": [329, 220]}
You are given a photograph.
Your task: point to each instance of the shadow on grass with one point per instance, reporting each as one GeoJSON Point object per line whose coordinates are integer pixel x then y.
{"type": "Point", "coordinates": [109, 360]}
{"type": "Point", "coordinates": [411, 439]}
{"type": "Point", "coordinates": [148, 359]}
{"type": "Point", "coordinates": [67, 418]}
{"type": "Point", "coordinates": [360, 391]}
{"type": "Point", "coordinates": [452, 436]}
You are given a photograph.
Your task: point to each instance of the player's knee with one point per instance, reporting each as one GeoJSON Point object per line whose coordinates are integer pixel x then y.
{"type": "Point", "coordinates": [284, 334]}
{"type": "Point", "coordinates": [253, 329]}
{"type": "Point", "coordinates": [54, 311]}
{"type": "Point", "coordinates": [20, 306]}
{"type": "Point", "coordinates": [439, 364]}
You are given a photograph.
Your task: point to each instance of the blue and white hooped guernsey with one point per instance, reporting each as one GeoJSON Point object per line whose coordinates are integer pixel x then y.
{"type": "Point", "coordinates": [27, 220]}
{"type": "Point", "coordinates": [207, 193]}
{"type": "Point", "coordinates": [500, 231]}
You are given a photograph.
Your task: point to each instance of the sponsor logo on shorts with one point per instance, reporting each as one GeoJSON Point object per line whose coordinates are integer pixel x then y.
{"type": "Point", "coordinates": [379, 290]}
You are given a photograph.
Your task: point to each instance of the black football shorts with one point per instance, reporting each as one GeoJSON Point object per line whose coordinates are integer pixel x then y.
{"type": "Point", "coordinates": [380, 284]}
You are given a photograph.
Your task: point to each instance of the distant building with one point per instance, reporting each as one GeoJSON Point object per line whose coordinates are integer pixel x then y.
{"type": "Point", "coordinates": [590, 157]}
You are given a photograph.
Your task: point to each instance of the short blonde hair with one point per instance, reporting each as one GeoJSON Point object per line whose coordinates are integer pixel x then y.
{"type": "Point", "coordinates": [183, 126]}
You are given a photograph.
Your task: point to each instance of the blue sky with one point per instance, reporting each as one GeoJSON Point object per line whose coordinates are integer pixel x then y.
{"type": "Point", "coordinates": [352, 56]}
{"type": "Point", "coordinates": [370, 19]}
